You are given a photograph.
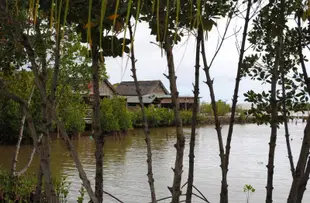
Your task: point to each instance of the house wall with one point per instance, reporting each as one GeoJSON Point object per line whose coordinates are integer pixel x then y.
{"type": "Point", "coordinates": [159, 90]}
{"type": "Point", "coordinates": [104, 89]}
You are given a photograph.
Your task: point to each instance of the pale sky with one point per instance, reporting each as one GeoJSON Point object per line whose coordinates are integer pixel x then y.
{"type": "Point", "coordinates": [151, 66]}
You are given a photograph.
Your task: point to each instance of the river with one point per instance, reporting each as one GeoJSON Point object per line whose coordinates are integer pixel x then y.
{"type": "Point", "coordinates": [125, 163]}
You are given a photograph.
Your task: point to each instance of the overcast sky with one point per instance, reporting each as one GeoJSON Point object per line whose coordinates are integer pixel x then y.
{"type": "Point", "coordinates": [151, 65]}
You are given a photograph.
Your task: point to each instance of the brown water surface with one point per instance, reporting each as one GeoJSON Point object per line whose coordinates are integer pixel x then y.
{"type": "Point", "coordinates": [125, 163]}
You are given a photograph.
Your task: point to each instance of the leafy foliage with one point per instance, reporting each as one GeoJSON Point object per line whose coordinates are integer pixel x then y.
{"type": "Point", "coordinates": [71, 110]}
{"type": "Point", "coordinates": [259, 66]}
{"type": "Point", "coordinates": [20, 189]}
{"type": "Point", "coordinates": [158, 117]}
{"type": "Point", "coordinates": [248, 189]}
{"type": "Point", "coordinates": [167, 20]}
{"type": "Point", "coordinates": [10, 116]}
{"type": "Point", "coordinates": [155, 116]}
{"type": "Point", "coordinates": [114, 115]}
{"type": "Point", "coordinates": [20, 83]}
{"type": "Point", "coordinates": [222, 107]}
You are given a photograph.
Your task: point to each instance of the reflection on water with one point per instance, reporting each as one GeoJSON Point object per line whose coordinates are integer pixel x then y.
{"type": "Point", "coordinates": [125, 163]}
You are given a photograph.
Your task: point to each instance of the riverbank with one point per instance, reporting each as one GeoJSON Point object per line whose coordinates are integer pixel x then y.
{"type": "Point", "coordinates": [165, 119]}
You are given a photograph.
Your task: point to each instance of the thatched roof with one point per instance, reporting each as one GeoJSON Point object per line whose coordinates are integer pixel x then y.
{"type": "Point", "coordinates": [128, 88]}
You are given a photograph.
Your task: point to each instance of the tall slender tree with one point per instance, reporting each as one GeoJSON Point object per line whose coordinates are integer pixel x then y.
{"type": "Point", "coordinates": [224, 155]}
{"type": "Point", "coordinates": [190, 179]}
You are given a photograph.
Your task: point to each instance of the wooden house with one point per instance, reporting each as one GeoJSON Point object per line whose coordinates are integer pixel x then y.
{"type": "Point", "coordinates": [153, 93]}
{"type": "Point", "coordinates": [106, 90]}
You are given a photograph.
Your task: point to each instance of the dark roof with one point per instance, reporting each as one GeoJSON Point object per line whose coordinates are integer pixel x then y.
{"type": "Point", "coordinates": [128, 88]}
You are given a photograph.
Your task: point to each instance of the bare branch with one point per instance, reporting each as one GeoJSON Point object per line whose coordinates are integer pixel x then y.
{"type": "Point", "coordinates": [237, 84]}
{"type": "Point", "coordinates": [34, 150]}
{"type": "Point", "coordinates": [20, 137]}
{"type": "Point", "coordinates": [76, 159]}
{"type": "Point", "coordinates": [284, 113]}
{"type": "Point", "coordinates": [105, 192]}
{"type": "Point", "coordinates": [222, 38]}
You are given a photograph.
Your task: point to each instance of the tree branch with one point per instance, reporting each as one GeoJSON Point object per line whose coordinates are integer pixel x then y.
{"type": "Point", "coordinates": [34, 150]}
{"type": "Point", "coordinates": [75, 158]}
{"type": "Point", "coordinates": [20, 137]}
{"type": "Point", "coordinates": [145, 123]}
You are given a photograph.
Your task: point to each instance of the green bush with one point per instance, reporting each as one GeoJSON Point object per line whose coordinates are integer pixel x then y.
{"type": "Point", "coordinates": [114, 115]}
{"type": "Point", "coordinates": [242, 117]}
{"type": "Point", "coordinates": [166, 116]}
{"type": "Point", "coordinates": [108, 119]}
{"type": "Point", "coordinates": [186, 117]}
{"type": "Point", "coordinates": [153, 116]}
{"type": "Point", "coordinates": [71, 110]}
{"type": "Point", "coordinates": [12, 187]}
{"type": "Point", "coordinates": [136, 118]}
{"type": "Point", "coordinates": [156, 117]}
{"type": "Point", "coordinates": [10, 120]}
{"type": "Point", "coordinates": [222, 108]}
{"type": "Point", "coordinates": [122, 114]}
{"type": "Point", "coordinates": [23, 188]}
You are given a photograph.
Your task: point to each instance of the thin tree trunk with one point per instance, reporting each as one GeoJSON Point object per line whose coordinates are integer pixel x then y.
{"type": "Point", "coordinates": [76, 160]}
{"type": "Point", "coordinates": [43, 150]}
{"type": "Point", "coordinates": [146, 127]}
{"type": "Point", "coordinates": [99, 138]}
{"type": "Point", "coordinates": [56, 72]}
{"type": "Point", "coordinates": [224, 155]}
{"type": "Point", "coordinates": [300, 174]}
{"type": "Point", "coordinates": [178, 166]}
{"type": "Point", "coordinates": [303, 182]}
{"type": "Point", "coordinates": [40, 80]}
{"type": "Point", "coordinates": [236, 91]}
{"type": "Point", "coordinates": [218, 128]}
{"type": "Point", "coordinates": [287, 134]}
{"type": "Point", "coordinates": [298, 186]}
{"type": "Point", "coordinates": [274, 119]}
{"type": "Point", "coordinates": [190, 179]}
{"type": "Point", "coordinates": [38, 194]}
{"type": "Point", "coordinates": [45, 164]}
{"type": "Point", "coordinates": [21, 132]}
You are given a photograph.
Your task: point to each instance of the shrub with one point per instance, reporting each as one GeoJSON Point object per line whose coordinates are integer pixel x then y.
{"type": "Point", "coordinates": [122, 114]}
{"type": "Point", "coordinates": [114, 115]}
{"type": "Point", "coordinates": [71, 110]}
{"type": "Point", "coordinates": [22, 188]}
{"type": "Point", "coordinates": [155, 117]}
{"type": "Point", "coordinates": [13, 188]}
{"type": "Point", "coordinates": [10, 118]}
{"type": "Point", "coordinates": [222, 108]}
{"type": "Point", "coordinates": [186, 117]}
{"type": "Point", "coordinates": [166, 116]}
{"type": "Point", "coordinates": [73, 118]}
{"type": "Point", "coordinates": [136, 118]}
